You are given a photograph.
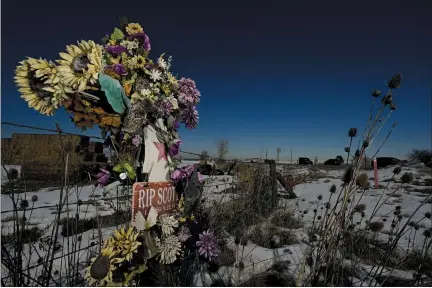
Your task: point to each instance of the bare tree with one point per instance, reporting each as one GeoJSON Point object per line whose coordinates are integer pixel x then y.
{"type": "Point", "coordinates": [222, 149]}
{"type": "Point", "coordinates": [204, 155]}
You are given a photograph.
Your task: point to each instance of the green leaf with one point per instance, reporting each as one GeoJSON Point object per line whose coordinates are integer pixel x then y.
{"type": "Point", "coordinates": [130, 170]}
{"type": "Point", "coordinates": [117, 34]}
{"type": "Point", "coordinates": [118, 168]}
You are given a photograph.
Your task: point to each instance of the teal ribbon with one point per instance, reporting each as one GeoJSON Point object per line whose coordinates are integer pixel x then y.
{"type": "Point", "coordinates": [115, 93]}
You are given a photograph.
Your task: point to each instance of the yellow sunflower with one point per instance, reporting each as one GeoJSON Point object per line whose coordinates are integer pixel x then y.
{"type": "Point", "coordinates": [38, 82]}
{"type": "Point", "coordinates": [81, 64]}
{"type": "Point", "coordinates": [100, 271]}
{"type": "Point", "coordinates": [133, 28]}
{"type": "Point", "coordinates": [124, 243]}
{"type": "Point", "coordinates": [136, 62]}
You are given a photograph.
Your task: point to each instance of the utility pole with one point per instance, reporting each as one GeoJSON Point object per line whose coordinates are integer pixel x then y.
{"type": "Point", "coordinates": [291, 156]}
{"type": "Point", "coordinates": [278, 151]}
{"type": "Point", "coordinates": [266, 153]}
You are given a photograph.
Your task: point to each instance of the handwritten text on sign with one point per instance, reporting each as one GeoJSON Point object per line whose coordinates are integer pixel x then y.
{"type": "Point", "coordinates": [161, 195]}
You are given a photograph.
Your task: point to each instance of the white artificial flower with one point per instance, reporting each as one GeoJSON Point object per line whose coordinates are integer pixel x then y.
{"type": "Point", "coordinates": [167, 223]}
{"type": "Point", "coordinates": [145, 92]}
{"type": "Point", "coordinates": [123, 176]}
{"type": "Point", "coordinates": [169, 248]}
{"type": "Point", "coordinates": [162, 63]}
{"type": "Point", "coordinates": [173, 102]}
{"type": "Point", "coordinates": [155, 75]}
{"type": "Point", "coordinates": [129, 44]}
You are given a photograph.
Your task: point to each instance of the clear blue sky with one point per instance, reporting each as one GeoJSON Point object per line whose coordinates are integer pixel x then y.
{"type": "Point", "coordinates": [293, 74]}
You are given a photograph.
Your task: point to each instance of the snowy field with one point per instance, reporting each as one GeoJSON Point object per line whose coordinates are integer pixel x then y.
{"type": "Point", "coordinates": [87, 203]}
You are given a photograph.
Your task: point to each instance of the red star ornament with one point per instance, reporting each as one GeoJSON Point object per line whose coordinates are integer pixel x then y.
{"type": "Point", "coordinates": [162, 151]}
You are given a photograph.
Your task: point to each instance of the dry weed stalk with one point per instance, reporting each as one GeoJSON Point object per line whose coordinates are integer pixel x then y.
{"type": "Point", "coordinates": [337, 224]}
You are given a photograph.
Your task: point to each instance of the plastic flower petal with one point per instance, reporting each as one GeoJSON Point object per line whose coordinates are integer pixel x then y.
{"type": "Point", "coordinates": [208, 245]}
{"type": "Point", "coordinates": [38, 81]}
{"type": "Point", "coordinates": [169, 248]}
{"type": "Point", "coordinates": [81, 64]}
{"type": "Point", "coordinates": [167, 223]}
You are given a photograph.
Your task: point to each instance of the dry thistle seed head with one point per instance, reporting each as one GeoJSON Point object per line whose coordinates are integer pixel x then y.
{"type": "Point", "coordinates": [393, 106]}
{"type": "Point", "coordinates": [34, 198]}
{"type": "Point", "coordinates": [395, 81]}
{"type": "Point", "coordinates": [347, 149]}
{"type": "Point", "coordinates": [333, 188]}
{"type": "Point", "coordinates": [365, 143]}
{"type": "Point", "coordinates": [357, 153]}
{"type": "Point", "coordinates": [407, 178]}
{"type": "Point", "coordinates": [388, 99]}
{"type": "Point", "coordinates": [376, 226]}
{"type": "Point", "coordinates": [360, 208]}
{"type": "Point", "coordinates": [427, 233]}
{"type": "Point", "coordinates": [376, 93]}
{"type": "Point", "coordinates": [348, 174]}
{"type": "Point", "coordinates": [397, 170]}
{"type": "Point", "coordinates": [428, 215]}
{"type": "Point", "coordinates": [352, 132]}
{"type": "Point", "coordinates": [362, 180]}
{"type": "Point", "coordinates": [320, 197]}
{"type": "Point", "coordinates": [24, 204]}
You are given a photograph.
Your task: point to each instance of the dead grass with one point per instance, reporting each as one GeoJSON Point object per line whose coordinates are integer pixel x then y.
{"type": "Point", "coordinates": [262, 235]}
{"type": "Point", "coordinates": [286, 219]}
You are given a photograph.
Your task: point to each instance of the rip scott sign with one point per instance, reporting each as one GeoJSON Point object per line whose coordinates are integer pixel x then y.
{"type": "Point", "coordinates": [161, 195]}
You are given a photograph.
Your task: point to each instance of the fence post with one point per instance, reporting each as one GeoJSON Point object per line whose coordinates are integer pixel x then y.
{"type": "Point", "coordinates": [375, 167]}
{"type": "Point", "coordinates": [273, 179]}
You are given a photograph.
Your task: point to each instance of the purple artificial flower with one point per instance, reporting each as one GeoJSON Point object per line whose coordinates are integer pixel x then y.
{"type": "Point", "coordinates": [200, 177]}
{"type": "Point", "coordinates": [184, 234]}
{"type": "Point", "coordinates": [174, 150]}
{"type": "Point", "coordinates": [103, 177]}
{"type": "Point", "coordinates": [177, 175]}
{"type": "Point", "coordinates": [118, 69]}
{"type": "Point", "coordinates": [137, 140]}
{"type": "Point", "coordinates": [144, 39]}
{"type": "Point", "coordinates": [164, 107]}
{"type": "Point", "coordinates": [176, 125]}
{"type": "Point", "coordinates": [190, 117]}
{"type": "Point", "coordinates": [207, 245]}
{"type": "Point", "coordinates": [188, 93]}
{"type": "Point", "coordinates": [183, 172]}
{"type": "Point", "coordinates": [116, 50]}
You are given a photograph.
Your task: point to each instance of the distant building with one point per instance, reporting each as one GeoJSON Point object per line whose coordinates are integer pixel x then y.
{"type": "Point", "coordinates": [44, 151]}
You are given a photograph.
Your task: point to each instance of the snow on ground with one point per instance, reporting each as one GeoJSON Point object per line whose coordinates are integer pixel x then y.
{"type": "Point", "coordinates": [217, 189]}
{"type": "Point", "coordinates": [386, 200]}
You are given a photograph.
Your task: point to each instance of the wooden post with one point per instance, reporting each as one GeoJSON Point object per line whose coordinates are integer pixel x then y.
{"type": "Point", "coordinates": [273, 179]}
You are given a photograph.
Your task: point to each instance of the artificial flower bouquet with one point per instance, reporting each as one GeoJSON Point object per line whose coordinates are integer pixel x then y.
{"type": "Point", "coordinates": [115, 86]}
{"type": "Point", "coordinates": [155, 239]}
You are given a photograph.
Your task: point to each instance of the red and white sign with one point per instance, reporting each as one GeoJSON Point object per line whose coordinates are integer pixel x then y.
{"type": "Point", "coordinates": [160, 195]}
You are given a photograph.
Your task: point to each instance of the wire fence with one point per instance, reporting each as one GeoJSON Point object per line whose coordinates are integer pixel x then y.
{"type": "Point", "coordinates": [83, 209]}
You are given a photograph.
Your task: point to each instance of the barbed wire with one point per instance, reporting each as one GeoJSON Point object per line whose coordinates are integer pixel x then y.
{"type": "Point", "coordinates": [98, 137]}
